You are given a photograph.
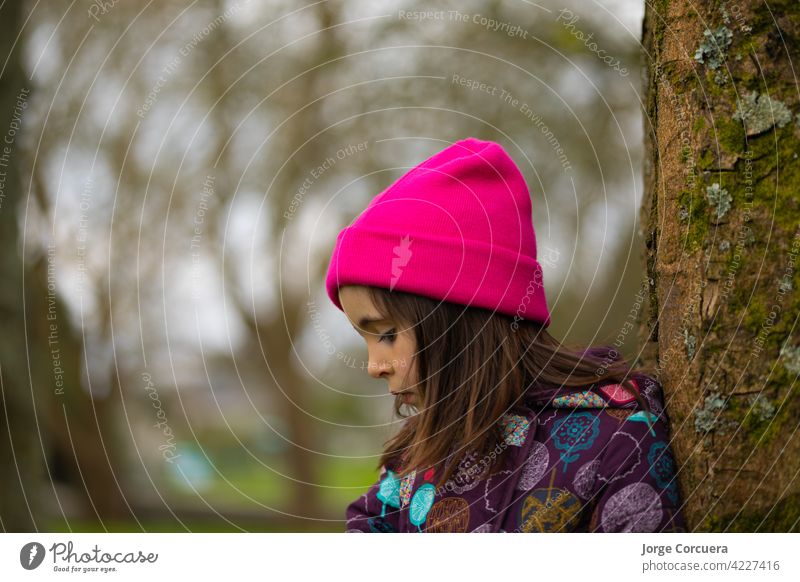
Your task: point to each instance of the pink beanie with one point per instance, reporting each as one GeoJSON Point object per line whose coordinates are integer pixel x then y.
{"type": "Point", "coordinates": [456, 228]}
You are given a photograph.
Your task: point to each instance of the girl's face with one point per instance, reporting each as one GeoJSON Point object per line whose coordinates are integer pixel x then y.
{"type": "Point", "coordinates": [390, 345]}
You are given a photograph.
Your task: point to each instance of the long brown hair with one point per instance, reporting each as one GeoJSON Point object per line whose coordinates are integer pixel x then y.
{"type": "Point", "coordinates": [474, 366]}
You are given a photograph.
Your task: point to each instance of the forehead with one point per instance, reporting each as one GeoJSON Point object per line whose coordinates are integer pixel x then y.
{"type": "Point", "coordinates": [355, 296]}
{"type": "Point", "coordinates": [358, 306]}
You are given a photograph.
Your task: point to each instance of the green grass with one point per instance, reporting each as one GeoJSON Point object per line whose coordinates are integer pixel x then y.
{"type": "Point", "coordinates": [341, 481]}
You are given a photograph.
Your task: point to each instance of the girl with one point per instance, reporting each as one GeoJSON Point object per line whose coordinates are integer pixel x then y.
{"type": "Point", "coordinates": [511, 431]}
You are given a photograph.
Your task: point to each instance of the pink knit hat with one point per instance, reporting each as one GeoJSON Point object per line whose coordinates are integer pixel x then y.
{"type": "Point", "coordinates": [456, 228]}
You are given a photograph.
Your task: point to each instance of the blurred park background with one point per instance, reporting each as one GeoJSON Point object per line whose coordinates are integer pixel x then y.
{"type": "Point", "coordinates": [175, 175]}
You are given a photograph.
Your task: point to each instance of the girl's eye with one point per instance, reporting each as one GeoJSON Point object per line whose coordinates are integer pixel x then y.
{"type": "Point", "coordinates": [389, 335]}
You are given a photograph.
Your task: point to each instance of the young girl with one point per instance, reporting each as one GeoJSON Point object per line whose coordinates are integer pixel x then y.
{"type": "Point", "coordinates": [510, 431]}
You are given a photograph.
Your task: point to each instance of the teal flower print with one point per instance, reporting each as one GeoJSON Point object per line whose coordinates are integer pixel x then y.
{"type": "Point", "coordinates": [577, 432]}
{"type": "Point", "coordinates": [421, 504]}
{"type": "Point", "coordinates": [662, 468]}
{"type": "Point", "coordinates": [389, 491]}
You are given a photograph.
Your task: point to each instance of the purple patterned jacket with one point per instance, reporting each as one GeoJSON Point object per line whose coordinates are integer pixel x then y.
{"type": "Point", "coordinates": [590, 461]}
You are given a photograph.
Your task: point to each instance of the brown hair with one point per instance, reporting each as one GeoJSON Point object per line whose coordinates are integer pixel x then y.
{"type": "Point", "coordinates": [474, 366]}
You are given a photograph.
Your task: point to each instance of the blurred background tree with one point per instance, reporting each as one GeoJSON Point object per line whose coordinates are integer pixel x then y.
{"type": "Point", "coordinates": [20, 456]}
{"type": "Point", "coordinates": [183, 170]}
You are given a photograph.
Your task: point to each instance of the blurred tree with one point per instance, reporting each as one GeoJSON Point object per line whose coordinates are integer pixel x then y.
{"type": "Point", "coordinates": [79, 421]}
{"type": "Point", "coordinates": [55, 432]}
{"type": "Point", "coordinates": [20, 446]}
{"type": "Point", "coordinates": [721, 221]}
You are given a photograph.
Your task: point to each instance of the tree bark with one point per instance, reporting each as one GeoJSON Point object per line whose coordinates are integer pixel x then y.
{"type": "Point", "coordinates": [720, 218]}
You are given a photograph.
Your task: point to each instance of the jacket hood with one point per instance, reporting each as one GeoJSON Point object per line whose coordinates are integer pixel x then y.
{"type": "Point", "coordinates": [604, 394]}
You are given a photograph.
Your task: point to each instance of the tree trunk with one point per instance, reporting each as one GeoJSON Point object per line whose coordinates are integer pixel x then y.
{"type": "Point", "coordinates": [80, 431]}
{"type": "Point", "coordinates": [50, 429]}
{"type": "Point", "coordinates": [720, 218]}
{"type": "Point", "coordinates": [20, 450]}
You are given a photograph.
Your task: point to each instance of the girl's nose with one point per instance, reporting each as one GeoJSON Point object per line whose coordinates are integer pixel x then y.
{"type": "Point", "coordinates": [379, 369]}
